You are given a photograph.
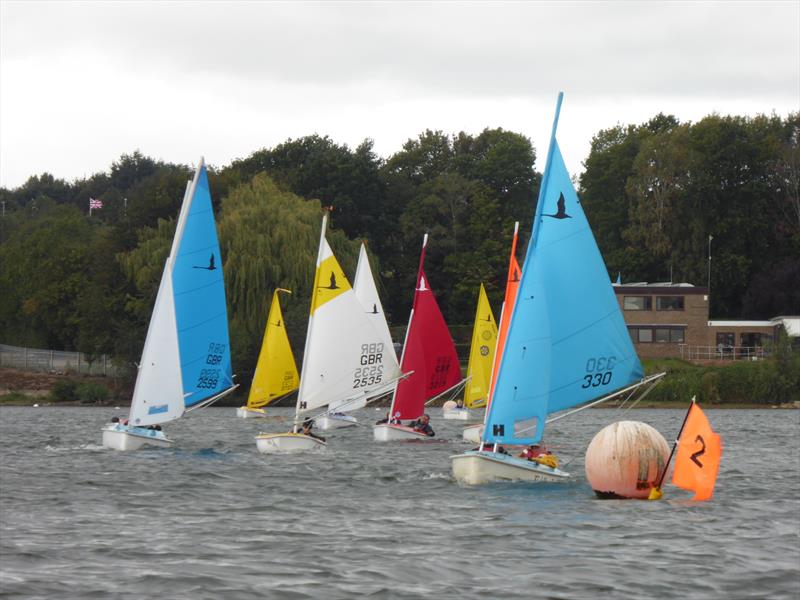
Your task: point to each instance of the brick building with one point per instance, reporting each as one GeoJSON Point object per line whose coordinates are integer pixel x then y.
{"type": "Point", "coordinates": [670, 320]}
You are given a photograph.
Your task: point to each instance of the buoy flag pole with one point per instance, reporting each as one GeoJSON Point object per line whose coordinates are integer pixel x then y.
{"type": "Point", "coordinates": [655, 492]}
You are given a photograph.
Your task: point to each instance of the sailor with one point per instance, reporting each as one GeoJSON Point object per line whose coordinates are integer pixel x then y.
{"type": "Point", "coordinates": [422, 425]}
{"type": "Point", "coordinates": [306, 430]}
{"type": "Point", "coordinates": [540, 454]}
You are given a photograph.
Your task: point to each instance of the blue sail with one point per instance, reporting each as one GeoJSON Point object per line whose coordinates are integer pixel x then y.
{"type": "Point", "coordinates": [200, 310]}
{"type": "Point", "coordinates": [567, 341]}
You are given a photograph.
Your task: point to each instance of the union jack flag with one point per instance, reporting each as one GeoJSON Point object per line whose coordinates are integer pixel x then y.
{"type": "Point", "coordinates": [94, 203]}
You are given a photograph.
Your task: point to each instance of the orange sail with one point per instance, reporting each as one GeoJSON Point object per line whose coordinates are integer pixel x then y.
{"type": "Point", "coordinates": [512, 284]}
{"type": "Point", "coordinates": [698, 457]}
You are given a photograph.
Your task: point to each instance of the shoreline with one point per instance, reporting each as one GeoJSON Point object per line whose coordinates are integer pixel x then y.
{"type": "Point", "coordinates": [30, 401]}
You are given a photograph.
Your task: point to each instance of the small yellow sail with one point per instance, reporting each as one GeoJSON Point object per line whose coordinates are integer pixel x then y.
{"type": "Point", "coordinates": [276, 372]}
{"type": "Point", "coordinates": [481, 354]}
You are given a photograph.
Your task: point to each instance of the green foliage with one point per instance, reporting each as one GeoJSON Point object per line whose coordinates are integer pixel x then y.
{"type": "Point", "coordinates": [653, 193]}
{"type": "Point", "coordinates": [269, 239]}
{"type": "Point", "coordinates": [64, 390]}
{"type": "Point", "coordinates": [762, 382]}
{"type": "Point", "coordinates": [90, 392]}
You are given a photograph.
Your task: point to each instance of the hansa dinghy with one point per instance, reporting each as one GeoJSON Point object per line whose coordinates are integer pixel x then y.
{"type": "Point", "coordinates": [186, 361]}
{"type": "Point", "coordinates": [567, 342]}
{"type": "Point", "coordinates": [367, 294]}
{"type": "Point", "coordinates": [276, 372]}
{"type": "Point", "coordinates": [344, 360]}
{"type": "Point", "coordinates": [429, 355]}
{"type": "Point", "coordinates": [479, 368]}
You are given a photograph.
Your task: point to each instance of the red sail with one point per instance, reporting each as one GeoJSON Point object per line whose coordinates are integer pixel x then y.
{"type": "Point", "coordinates": [429, 352]}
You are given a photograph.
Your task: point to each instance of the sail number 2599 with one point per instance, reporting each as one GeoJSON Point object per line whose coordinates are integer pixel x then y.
{"type": "Point", "coordinates": [599, 371]}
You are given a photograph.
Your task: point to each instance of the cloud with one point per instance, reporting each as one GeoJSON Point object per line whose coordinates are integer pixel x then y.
{"type": "Point", "coordinates": [84, 82]}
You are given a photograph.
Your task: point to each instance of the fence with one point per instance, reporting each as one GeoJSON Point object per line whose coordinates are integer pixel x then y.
{"type": "Point", "coordinates": [55, 361]}
{"type": "Point", "coordinates": [722, 352]}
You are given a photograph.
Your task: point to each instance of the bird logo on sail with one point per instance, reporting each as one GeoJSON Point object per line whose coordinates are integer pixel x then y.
{"type": "Point", "coordinates": [374, 310]}
{"type": "Point", "coordinates": [332, 285]}
{"type": "Point", "coordinates": [210, 266]}
{"type": "Point", "coordinates": [422, 287]}
{"type": "Point", "coordinates": [561, 212]}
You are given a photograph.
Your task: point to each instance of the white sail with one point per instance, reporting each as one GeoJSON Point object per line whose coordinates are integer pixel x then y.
{"type": "Point", "coordinates": [346, 357]}
{"type": "Point", "coordinates": [158, 394]}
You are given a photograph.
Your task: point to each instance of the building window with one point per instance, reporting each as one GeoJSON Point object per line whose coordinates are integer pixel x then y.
{"type": "Point", "coordinates": [752, 340]}
{"type": "Point", "coordinates": [660, 335]}
{"type": "Point", "coordinates": [669, 303]}
{"type": "Point", "coordinates": [638, 303]}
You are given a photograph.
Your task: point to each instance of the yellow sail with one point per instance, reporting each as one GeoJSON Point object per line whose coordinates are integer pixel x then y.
{"type": "Point", "coordinates": [276, 372]}
{"type": "Point", "coordinates": [481, 354]}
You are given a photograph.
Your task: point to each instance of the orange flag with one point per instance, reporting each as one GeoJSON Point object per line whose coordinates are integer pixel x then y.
{"type": "Point", "coordinates": [698, 456]}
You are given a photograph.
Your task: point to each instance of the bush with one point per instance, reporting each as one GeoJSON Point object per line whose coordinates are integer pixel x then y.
{"type": "Point", "coordinates": [92, 393]}
{"type": "Point", "coordinates": [64, 391]}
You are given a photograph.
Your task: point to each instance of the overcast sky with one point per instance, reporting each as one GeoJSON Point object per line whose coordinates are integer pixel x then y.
{"type": "Point", "coordinates": [83, 83]}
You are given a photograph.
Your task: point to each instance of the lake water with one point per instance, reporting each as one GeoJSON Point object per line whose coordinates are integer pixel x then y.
{"type": "Point", "coordinates": [213, 518]}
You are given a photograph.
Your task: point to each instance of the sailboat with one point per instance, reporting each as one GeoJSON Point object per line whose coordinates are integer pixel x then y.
{"type": "Point", "coordinates": [481, 357]}
{"type": "Point", "coordinates": [472, 433]}
{"type": "Point", "coordinates": [567, 342]}
{"type": "Point", "coordinates": [345, 360]}
{"type": "Point", "coordinates": [276, 372]}
{"type": "Point", "coordinates": [429, 355]}
{"type": "Point", "coordinates": [367, 294]}
{"type": "Point", "coordinates": [186, 361]}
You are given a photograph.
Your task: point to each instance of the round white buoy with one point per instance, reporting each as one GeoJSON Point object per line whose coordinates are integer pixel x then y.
{"type": "Point", "coordinates": [449, 405]}
{"type": "Point", "coordinates": [625, 459]}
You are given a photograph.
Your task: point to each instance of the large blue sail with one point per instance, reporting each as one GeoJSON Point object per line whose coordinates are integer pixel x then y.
{"type": "Point", "coordinates": [200, 310]}
{"type": "Point", "coordinates": [567, 341]}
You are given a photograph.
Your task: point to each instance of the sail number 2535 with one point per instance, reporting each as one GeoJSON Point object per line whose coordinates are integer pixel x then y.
{"type": "Point", "coordinates": [599, 371]}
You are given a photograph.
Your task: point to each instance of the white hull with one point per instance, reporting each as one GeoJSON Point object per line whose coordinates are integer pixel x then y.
{"type": "Point", "coordinates": [395, 433]}
{"type": "Point", "coordinates": [473, 433]}
{"type": "Point", "coordinates": [283, 443]}
{"type": "Point", "coordinates": [251, 413]}
{"type": "Point", "coordinates": [460, 414]}
{"type": "Point", "coordinates": [124, 438]}
{"type": "Point", "coordinates": [327, 422]}
{"type": "Point", "coordinates": [475, 468]}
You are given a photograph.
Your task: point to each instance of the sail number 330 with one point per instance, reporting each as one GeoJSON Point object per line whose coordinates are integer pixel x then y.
{"type": "Point", "coordinates": [599, 371]}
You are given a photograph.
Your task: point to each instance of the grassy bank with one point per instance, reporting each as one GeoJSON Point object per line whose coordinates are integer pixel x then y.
{"type": "Point", "coordinates": [759, 383]}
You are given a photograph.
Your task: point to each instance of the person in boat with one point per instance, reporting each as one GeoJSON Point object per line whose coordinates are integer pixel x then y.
{"type": "Point", "coordinates": [305, 429]}
{"type": "Point", "coordinates": [386, 419]}
{"type": "Point", "coordinates": [540, 454]}
{"type": "Point", "coordinates": [423, 425]}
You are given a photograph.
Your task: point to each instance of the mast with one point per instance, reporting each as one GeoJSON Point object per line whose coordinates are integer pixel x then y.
{"type": "Point", "coordinates": [410, 318]}
{"type": "Point", "coordinates": [311, 314]}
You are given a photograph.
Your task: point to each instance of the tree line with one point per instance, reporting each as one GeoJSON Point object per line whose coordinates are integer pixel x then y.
{"type": "Point", "coordinates": [653, 193]}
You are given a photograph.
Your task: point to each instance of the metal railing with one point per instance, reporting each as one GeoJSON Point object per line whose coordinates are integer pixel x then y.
{"type": "Point", "coordinates": [722, 352]}
{"type": "Point", "coordinates": [55, 361]}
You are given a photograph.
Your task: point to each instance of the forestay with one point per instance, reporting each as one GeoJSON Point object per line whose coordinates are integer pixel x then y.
{"type": "Point", "coordinates": [567, 341]}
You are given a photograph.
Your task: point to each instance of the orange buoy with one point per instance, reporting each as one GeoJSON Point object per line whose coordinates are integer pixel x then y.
{"type": "Point", "coordinates": [625, 459]}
